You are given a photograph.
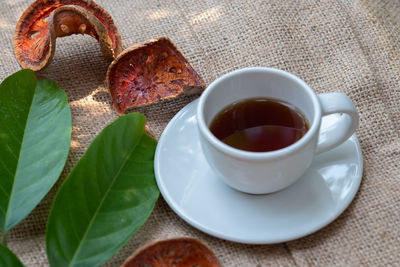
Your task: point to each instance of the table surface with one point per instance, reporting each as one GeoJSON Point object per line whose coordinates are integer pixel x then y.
{"type": "Point", "coordinates": [334, 45]}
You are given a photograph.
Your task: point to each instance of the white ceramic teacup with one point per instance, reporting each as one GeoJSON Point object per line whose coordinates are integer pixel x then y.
{"type": "Point", "coordinates": [267, 172]}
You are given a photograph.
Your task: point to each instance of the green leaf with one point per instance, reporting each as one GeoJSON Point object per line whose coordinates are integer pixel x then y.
{"type": "Point", "coordinates": [8, 259]}
{"type": "Point", "coordinates": [106, 198]}
{"type": "Point", "coordinates": [35, 135]}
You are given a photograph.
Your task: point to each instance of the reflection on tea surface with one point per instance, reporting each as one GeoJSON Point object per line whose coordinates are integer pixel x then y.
{"type": "Point", "coordinates": [259, 124]}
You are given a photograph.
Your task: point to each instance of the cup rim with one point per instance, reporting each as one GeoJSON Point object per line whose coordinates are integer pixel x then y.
{"type": "Point", "coordinates": [248, 155]}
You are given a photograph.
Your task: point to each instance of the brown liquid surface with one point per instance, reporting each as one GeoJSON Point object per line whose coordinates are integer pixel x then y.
{"type": "Point", "coordinates": [259, 125]}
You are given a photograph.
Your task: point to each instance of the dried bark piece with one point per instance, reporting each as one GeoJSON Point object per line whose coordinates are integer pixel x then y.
{"type": "Point", "coordinates": [177, 252]}
{"type": "Point", "coordinates": [45, 20]}
{"type": "Point", "coordinates": [147, 72]}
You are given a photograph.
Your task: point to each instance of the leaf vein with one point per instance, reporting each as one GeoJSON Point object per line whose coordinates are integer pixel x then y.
{"type": "Point", "coordinates": [16, 170]}
{"type": "Point", "coordinates": [6, 168]}
{"type": "Point", "coordinates": [101, 204]}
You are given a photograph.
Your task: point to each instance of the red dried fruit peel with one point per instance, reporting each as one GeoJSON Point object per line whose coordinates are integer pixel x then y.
{"type": "Point", "coordinates": [147, 72]}
{"type": "Point", "coordinates": [45, 20]}
{"type": "Point", "coordinates": [178, 252]}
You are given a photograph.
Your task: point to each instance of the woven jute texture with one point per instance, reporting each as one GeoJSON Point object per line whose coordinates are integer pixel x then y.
{"type": "Point", "coordinates": [334, 45]}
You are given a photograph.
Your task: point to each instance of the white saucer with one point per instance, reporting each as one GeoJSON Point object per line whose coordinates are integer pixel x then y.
{"type": "Point", "coordinates": [198, 196]}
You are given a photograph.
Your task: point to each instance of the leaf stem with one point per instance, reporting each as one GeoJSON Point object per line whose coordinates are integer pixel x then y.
{"type": "Point", "coordinates": [3, 239]}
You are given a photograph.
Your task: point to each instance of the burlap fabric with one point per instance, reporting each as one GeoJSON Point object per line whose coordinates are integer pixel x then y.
{"type": "Point", "coordinates": [334, 45]}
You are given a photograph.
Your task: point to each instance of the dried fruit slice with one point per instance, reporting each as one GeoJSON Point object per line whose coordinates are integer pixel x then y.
{"type": "Point", "coordinates": [45, 20]}
{"type": "Point", "coordinates": [147, 72]}
{"type": "Point", "coordinates": [177, 252]}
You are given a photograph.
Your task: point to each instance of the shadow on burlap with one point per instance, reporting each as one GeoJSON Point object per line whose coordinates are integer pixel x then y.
{"type": "Point", "coordinates": [334, 45]}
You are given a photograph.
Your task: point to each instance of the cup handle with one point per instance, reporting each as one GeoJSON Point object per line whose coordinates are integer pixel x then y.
{"type": "Point", "coordinates": [342, 129]}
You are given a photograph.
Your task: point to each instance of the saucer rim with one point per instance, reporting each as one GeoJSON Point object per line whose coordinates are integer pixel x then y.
{"type": "Point", "coordinates": [256, 241]}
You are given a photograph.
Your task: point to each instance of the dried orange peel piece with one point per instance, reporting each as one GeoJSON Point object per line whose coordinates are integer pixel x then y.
{"type": "Point", "coordinates": [177, 252]}
{"type": "Point", "coordinates": [45, 20]}
{"type": "Point", "coordinates": [147, 72]}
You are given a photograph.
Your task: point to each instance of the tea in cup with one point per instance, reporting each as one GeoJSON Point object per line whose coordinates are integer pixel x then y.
{"type": "Point", "coordinates": [260, 128]}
